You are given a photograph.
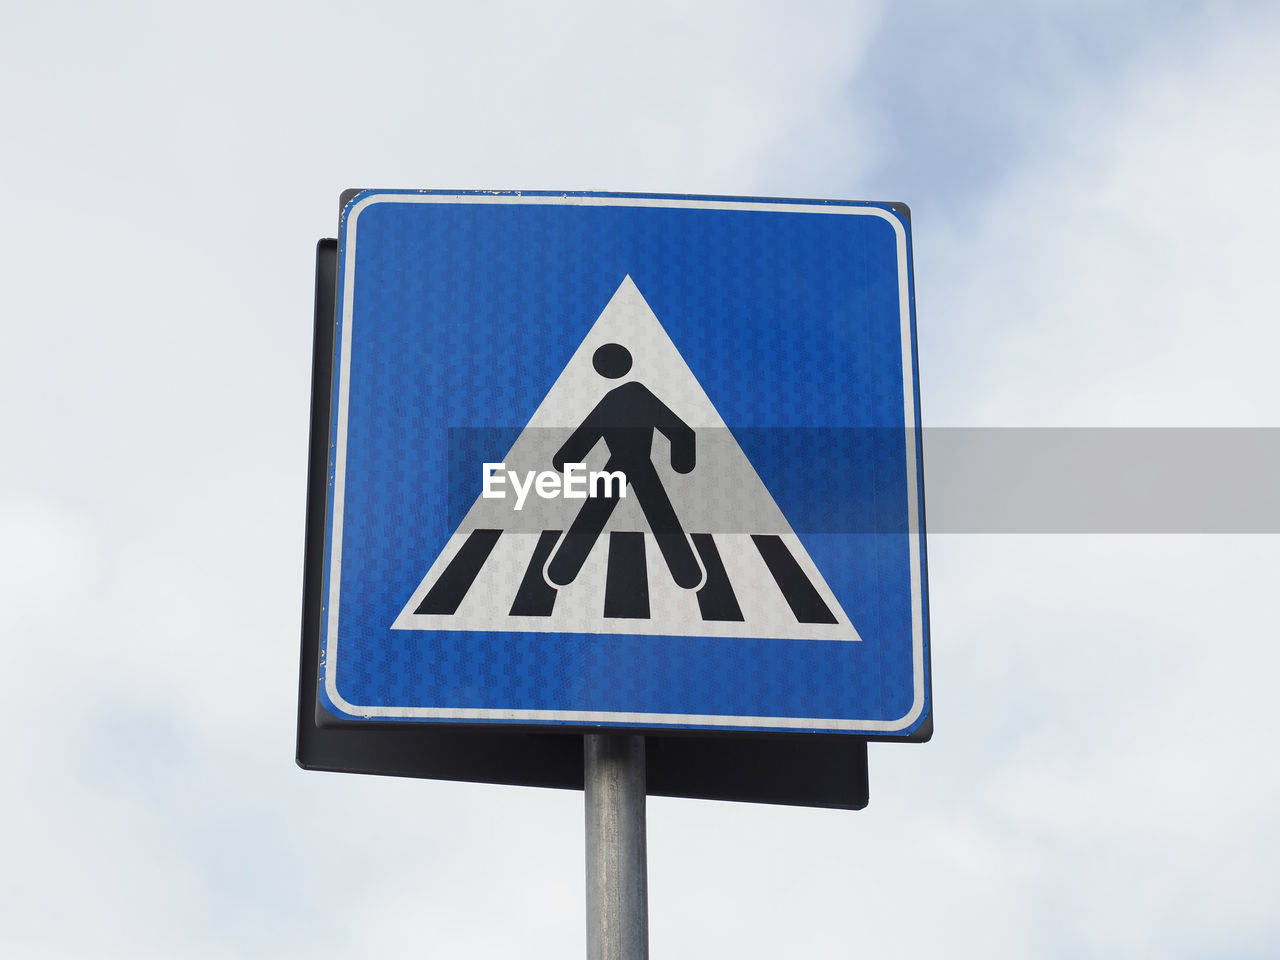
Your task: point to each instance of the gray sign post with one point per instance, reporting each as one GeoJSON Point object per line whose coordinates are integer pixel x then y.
{"type": "Point", "coordinates": [617, 871]}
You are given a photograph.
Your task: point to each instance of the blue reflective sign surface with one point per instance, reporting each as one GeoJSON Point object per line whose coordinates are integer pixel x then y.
{"type": "Point", "coordinates": [751, 365]}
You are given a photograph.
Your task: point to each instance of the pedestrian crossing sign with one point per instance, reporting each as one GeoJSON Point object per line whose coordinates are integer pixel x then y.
{"type": "Point", "coordinates": [648, 462]}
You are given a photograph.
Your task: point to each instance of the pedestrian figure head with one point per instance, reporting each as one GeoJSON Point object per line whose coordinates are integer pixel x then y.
{"type": "Point", "coordinates": [613, 360]}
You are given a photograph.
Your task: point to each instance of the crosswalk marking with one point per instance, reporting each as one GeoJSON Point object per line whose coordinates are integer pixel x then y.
{"type": "Point", "coordinates": [446, 593]}
{"type": "Point", "coordinates": [536, 597]}
{"type": "Point", "coordinates": [624, 578]}
{"type": "Point", "coordinates": [716, 599]}
{"type": "Point", "coordinates": [626, 590]}
{"type": "Point", "coordinates": [795, 586]}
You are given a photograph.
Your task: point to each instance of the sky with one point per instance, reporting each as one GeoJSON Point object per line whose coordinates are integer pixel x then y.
{"type": "Point", "coordinates": [1094, 206]}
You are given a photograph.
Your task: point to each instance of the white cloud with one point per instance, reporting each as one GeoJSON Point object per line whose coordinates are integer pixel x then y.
{"type": "Point", "coordinates": [177, 167]}
{"type": "Point", "coordinates": [1102, 701]}
{"type": "Point", "coordinates": [1097, 783]}
{"type": "Point", "coordinates": [1124, 277]}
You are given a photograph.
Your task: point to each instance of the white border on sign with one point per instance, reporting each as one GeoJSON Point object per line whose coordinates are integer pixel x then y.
{"type": "Point", "coordinates": [588, 716]}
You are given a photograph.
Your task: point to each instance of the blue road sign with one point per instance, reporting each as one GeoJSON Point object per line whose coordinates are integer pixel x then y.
{"type": "Point", "coordinates": [642, 461]}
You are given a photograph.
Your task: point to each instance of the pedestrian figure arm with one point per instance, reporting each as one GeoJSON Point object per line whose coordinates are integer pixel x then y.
{"type": "Point", "coordinates": [680, 435]}
{"type": "Point", "coordinates": [580, 442]}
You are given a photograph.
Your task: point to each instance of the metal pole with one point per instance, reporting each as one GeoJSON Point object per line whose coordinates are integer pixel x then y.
{"type": "Point", "coordinates": [617, 870]}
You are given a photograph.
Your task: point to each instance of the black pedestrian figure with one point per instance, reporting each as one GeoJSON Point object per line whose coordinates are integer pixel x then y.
{"type": "Point", "coordinates": [625, 419]}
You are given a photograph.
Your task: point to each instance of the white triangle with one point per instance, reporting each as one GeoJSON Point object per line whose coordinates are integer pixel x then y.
{"type": "Point", "coordinates": [723, 495]}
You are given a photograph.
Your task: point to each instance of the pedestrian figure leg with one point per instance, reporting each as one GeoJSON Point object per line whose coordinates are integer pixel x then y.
{"type": "Point", "coordinates": [664, 523]}
{"type": "Point", "coordinates": [572, 553]}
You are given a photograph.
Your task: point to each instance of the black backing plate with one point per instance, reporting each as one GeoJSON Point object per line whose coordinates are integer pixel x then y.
{"type": "Point", "coordinates": [818, 770]}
